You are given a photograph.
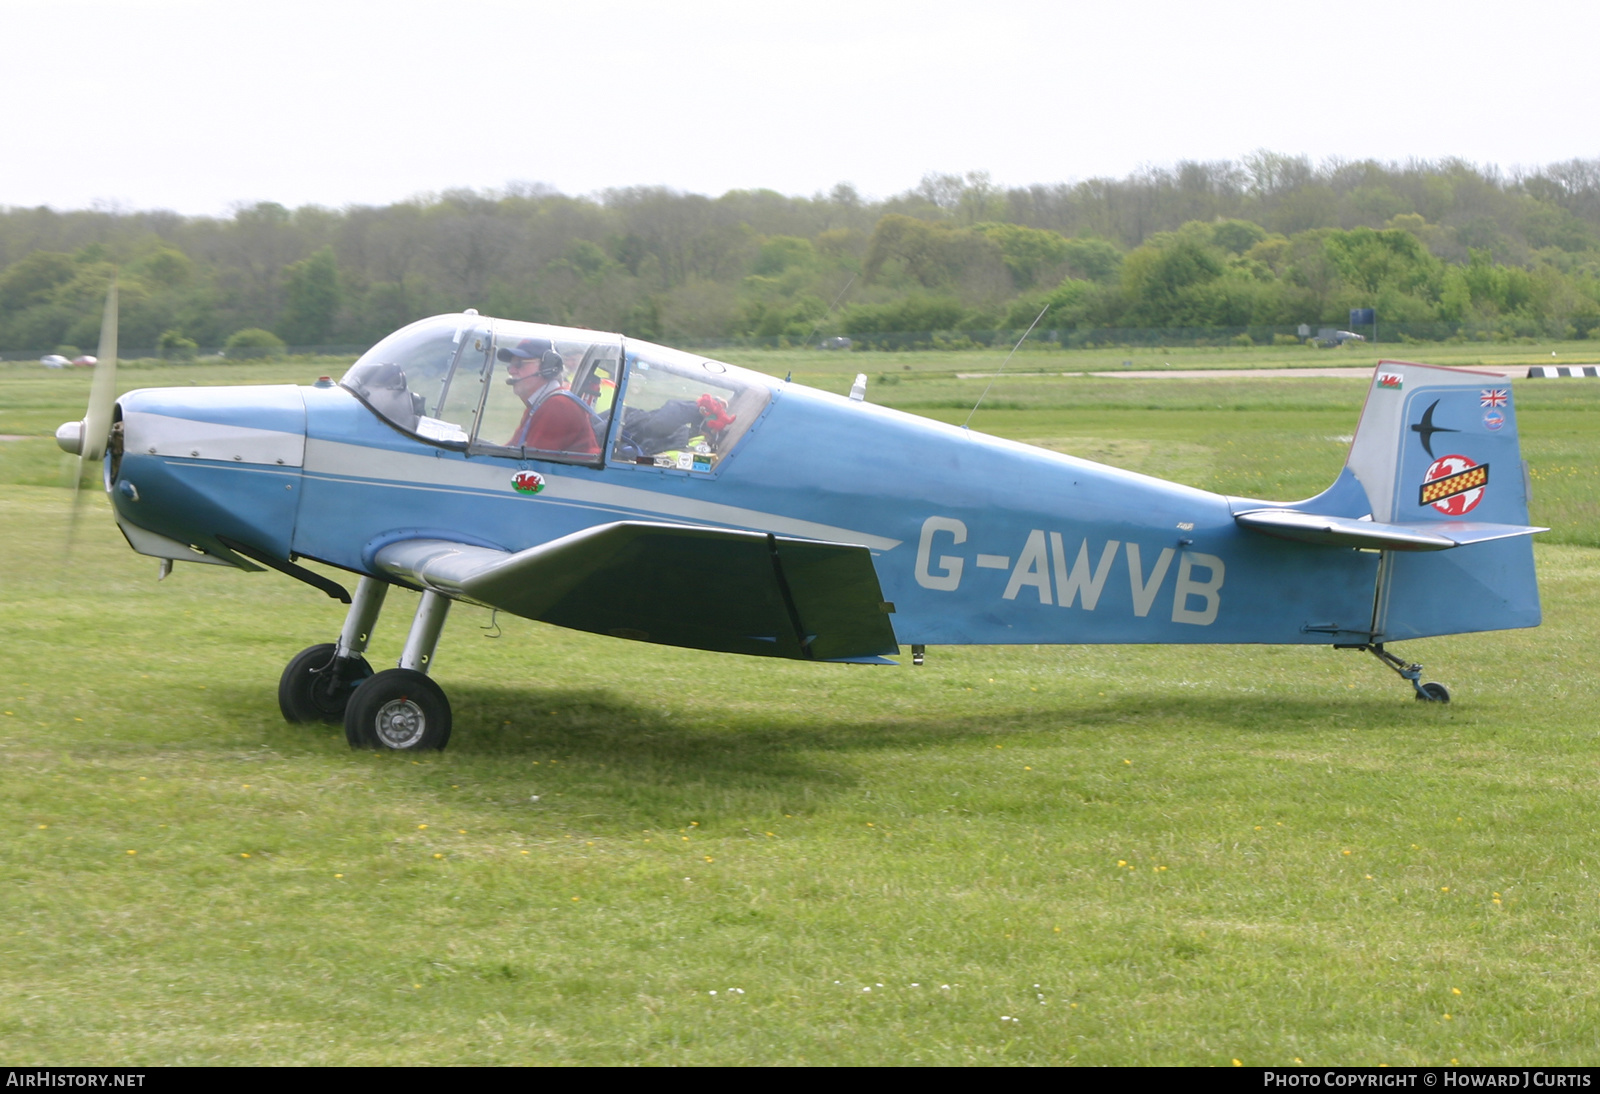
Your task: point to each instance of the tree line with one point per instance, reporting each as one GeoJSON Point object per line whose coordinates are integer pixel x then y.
{"type": "Point", "coordinates": [1254, 246]}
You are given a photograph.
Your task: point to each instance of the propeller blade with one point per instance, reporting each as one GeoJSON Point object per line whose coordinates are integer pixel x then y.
{"type": "Point", "coordinates": [73, 512]}
{"type": "Point", "coordinates": [95, 429]}
{"type": "Point", "coordinates": [103, 392]}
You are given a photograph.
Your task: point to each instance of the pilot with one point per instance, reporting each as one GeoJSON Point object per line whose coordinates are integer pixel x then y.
{"type": "Point", "coordinates": [556, 420]}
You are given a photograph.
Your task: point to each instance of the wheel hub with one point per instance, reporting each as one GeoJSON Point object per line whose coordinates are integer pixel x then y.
{"type": "Point", "coordinates": [328, 692]}
{"type": "Point", "coordinates": [400, 724]}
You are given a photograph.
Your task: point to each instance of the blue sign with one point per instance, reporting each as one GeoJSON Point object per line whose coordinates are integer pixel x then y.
{"type": "Point", "coordinates": [1363, 315]}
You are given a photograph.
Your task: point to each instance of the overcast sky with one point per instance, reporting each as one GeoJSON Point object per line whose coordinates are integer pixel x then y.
{"type": "Point", "coordinates": [197, 105]}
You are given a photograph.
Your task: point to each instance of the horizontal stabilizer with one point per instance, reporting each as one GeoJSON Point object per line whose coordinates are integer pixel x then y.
{"type": "Point", "coordinates": [678, 585]}
{"type": "Point", "coordinates": [1433, 535]}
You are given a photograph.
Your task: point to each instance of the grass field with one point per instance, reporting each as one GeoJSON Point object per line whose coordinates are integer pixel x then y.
{"type": "Point", "coordinates": [632, 854]}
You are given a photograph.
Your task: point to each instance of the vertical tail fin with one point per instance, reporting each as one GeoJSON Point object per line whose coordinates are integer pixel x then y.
{"type": "Point", "coordinates": [1438, 446]}
{"type": "Point", "coordinates": [1430, 442]}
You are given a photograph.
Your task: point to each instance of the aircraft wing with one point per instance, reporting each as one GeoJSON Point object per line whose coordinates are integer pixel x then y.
{"type": "Point", "coordinates": [1431, 535]}
{"type": "Point", "coordinates": [679, 585]}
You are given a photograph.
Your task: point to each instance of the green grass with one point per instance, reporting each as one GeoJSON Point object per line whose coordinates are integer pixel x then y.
{"type": "Point", "coordinates": [1146, 854]}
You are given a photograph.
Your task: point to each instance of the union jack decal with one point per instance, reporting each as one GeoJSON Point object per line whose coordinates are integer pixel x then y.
{"type": "Point", "coordinates": [1493, 396]}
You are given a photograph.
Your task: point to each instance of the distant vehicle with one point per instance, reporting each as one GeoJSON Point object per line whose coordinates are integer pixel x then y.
{"type": "Point", "coordinates": [1327, 336]}
{"type": "Point", "coordinates": [53, 360]}
{"type": "Point", "coordinates": [837, 342]}
{"type": "Point", "coordinates": [85, 361]}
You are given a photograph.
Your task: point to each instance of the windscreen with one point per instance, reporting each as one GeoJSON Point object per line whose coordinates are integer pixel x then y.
{"type": "Point", "coordinates": [407, 377]}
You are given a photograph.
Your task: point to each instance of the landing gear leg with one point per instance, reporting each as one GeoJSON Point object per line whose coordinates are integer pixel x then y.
{"type": "Point", "coordinates": [425, 631]}
{"type": "Point", "coordinates": [316, 686]}
{"type": "Point", "coordinates": [363, 615]}
{"type": "Point", "coordinates": [1408, 670]}
{"type": "Point", "coordinates": [400, 709]}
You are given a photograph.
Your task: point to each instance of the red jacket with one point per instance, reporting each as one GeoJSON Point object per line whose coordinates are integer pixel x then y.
{"type": "Point", "coordinates": [559, 424]}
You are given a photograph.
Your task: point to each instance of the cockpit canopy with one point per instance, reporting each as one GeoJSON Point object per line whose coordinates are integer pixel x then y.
{"type": "Point", "coordinates": [535, 391]}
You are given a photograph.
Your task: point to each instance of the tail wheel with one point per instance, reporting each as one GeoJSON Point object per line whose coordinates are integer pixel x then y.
{"type": "Point", "coordinates": [315, 689]}
{"type": "Point", "coordinates": [1433, 693]}
{"type": "Point", "coordinates": [398, 710]}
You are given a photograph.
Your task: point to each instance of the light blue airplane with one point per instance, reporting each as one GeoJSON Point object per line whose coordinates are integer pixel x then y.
{"type": "Point", "coordinates": [614, 486]}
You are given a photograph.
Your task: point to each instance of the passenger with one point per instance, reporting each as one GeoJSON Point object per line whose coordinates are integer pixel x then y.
{"type": "Point", "coordinates": [555, 421]}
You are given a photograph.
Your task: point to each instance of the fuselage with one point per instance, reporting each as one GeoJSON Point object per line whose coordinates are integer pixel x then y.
{"type": "Point", "coordinates": [975, 539]}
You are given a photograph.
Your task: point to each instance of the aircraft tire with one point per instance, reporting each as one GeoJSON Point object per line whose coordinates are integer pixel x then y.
{"type": "Point", "coordinates": [1434, 693]}
{"type": "Point", "coordinates": [303, 691]}
{"type": "Point", "coordinates": [398, 710]}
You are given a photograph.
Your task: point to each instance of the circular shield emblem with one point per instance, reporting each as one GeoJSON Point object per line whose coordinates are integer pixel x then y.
{"type": "Point", "coordinates": [527, 482]}
{"type": "Point", "coordinates": [1457, 501]}
{"type": "Point", "coordinates": [1493, 419]}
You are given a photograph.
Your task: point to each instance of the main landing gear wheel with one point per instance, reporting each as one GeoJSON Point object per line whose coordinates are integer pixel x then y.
{"type": "Point", "coordinates": [314, 688]}
{"type": "Point", "coordinates": [1433, 693]}
{"type": "Point", "coordinates": [398, 710]}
